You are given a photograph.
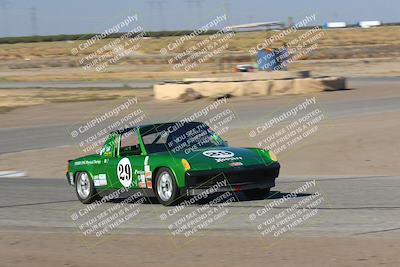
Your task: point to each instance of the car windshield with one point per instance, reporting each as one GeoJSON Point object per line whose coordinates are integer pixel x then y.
{"type": "Point", "coordinates": [179, 137]}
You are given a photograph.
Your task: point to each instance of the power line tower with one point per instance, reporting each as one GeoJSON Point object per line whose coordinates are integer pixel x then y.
{"type": "Point", "coordinates": [33, 17]}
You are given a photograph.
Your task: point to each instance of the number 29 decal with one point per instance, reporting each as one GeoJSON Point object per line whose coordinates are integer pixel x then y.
{"type": "Point", "coordinates": [124, 172]}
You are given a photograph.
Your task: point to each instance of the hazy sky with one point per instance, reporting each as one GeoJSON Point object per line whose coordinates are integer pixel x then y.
{"type": "Point", "coordinates": [43, 17]}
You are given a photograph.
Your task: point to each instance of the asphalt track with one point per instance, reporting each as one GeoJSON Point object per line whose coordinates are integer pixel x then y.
{"type": "Point", "coordinates": [350, 206]}
{"type": "Point", "coordinates": [47, 136]}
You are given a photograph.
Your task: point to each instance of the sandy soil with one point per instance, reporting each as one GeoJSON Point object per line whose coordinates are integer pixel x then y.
{"type": "Point", "coordinates": [209, 249]}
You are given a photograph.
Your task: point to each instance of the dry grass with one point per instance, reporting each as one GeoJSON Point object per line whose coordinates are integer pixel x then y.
{"type": "Point", "coordinates": [77, 74]}
{"type": "Point", "coordinates": [54, 61]}
{"type": "Point", "coordinates": [14, 98]}
{"type": "Point", "coordinates": [388, 35]}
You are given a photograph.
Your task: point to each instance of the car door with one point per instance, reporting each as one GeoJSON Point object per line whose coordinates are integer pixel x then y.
{"type": "Point", "coordinates": [126, 168]}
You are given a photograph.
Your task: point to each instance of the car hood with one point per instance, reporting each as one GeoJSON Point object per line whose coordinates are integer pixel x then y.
{"type": "Point", "coordinates": [220, 157]}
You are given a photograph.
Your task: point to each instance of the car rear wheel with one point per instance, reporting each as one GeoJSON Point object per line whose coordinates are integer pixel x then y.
{"type": "Point", "coordinates": [85, 189]}
{"type": "Point", "coordinates": [167, 191]}
{"type": "Point", "coordinates": [257, 194]}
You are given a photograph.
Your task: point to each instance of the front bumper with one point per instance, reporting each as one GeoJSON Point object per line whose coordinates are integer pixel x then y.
{"type": "Point", "coordinates": [70, 178]}
{"type": "Point", "coordinates": [234, 179]}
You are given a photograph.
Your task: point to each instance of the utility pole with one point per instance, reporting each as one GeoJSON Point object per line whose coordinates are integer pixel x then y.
{"type": "Point", "coordinates": [151, 12]}
{"type": "Point", "coordinates": [290, 21]}
{"type": "Point", "coordinates": [189, 4]}
{"type": "Point", "coordinates": [199, 10]}
{"type": "Point", "coordinates": [4, 14]}
{"type": "Point", "coordinates": [161, 18]}
{"type": "Point", "coordinates": [199, 7]}
{"type": "Point", "coordinates": [160, 5]}
{"type": "Point", "coordinates": [227, 10]}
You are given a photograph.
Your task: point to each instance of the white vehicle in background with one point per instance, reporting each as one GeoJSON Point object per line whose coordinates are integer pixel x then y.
{"type": "Point", "coordinates": [336, 24]}
{"type": "Point", "coordinates": [369, 24]}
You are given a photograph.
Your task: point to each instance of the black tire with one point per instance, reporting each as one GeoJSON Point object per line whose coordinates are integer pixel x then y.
{"type": "Point", "coordinates": [92, 193]}
{"type": "Point", "coordinates": [257, 194]}
{"type": "Point", "coordinates": [162, 195]}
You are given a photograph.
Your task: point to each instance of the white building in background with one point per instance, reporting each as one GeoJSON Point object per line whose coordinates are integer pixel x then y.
{"type": "Point", "coordinates": [369, 24]}
{"type": "Point", "coordinates": [337, 24]}
{"type": "Point", "coordinates": [271, 25]}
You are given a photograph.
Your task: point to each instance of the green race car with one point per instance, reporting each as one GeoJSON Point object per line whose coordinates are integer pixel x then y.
{"type": "Point", "coordinates": [170, 161]}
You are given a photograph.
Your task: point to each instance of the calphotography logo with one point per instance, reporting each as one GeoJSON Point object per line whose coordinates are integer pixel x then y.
{"type": "Point", "coordinates": [218, 154]}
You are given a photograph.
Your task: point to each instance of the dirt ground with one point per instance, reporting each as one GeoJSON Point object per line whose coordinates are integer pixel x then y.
{"type": "Point", "coordinates": [209, 249]}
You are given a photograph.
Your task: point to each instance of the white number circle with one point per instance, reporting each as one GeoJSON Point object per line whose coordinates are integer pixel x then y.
{"type": "Point", "coordinates": [124, 172]}
{"type": "Point", "coordinates": [218, 154]}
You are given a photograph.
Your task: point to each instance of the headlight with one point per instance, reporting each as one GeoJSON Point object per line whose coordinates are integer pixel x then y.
{"type": "Point", "coordinates": [272, 156]}
{"type": "Point", "coordinates": [185, 164]}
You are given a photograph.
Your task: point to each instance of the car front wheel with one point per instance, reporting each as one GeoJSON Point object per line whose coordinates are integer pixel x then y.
{"type": "Point", "coordinates": [167, 191]}
{"type": "Point", "coordinates": [85, 189]}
